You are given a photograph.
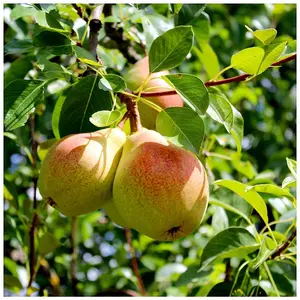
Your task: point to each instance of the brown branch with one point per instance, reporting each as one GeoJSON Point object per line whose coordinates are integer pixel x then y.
{"type": "Point", "coordinates": [285, 245]}
{"type": "Point", "coordinates": [32, 231]}
{"type": "Point", "coordinates": [238, 78]}
{"type": "Point", "coordinates": [95, 26]}
{"type": "Point", "coordinates": [133, 112]}
{"type": "Point", "coordinates": [134, 262]}
{"type": "Point", "coordinates": [73, 256]}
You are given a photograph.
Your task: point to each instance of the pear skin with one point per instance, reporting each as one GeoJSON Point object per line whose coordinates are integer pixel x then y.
{"type": "Point", "coordinates": [136, 75]}
{"type": "Point", "coordinates": [113, 214]}
{"type": "Point", "coordinates": [77, 173]}
{"type": "Point", "coordinates": [159, 189]}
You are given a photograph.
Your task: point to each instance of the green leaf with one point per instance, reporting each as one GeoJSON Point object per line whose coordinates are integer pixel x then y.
{"type": "Point", "coordinates": [188, 13]}
{"type": "Point", "coordinates": [244, 167]}
{"type": "Point", "coordinates": [292, 165]}
{"type": "Point", "coordinates": [267, 247]}
{"type": "Point", "coordinates": [252, 197]}
{"type": "Point", "coordinates": [83, 99]}
{"type": "Point", "coordinates": [283, 226]}
{"type": "Point", "coordinates": [289, 50]}
{"type": "Point", "coordinates": [47, 243]}
{"type": "Point", "coordinates": [191, 274]}
{"type": "Point", "coordinates": [248, 60]}
{"type": "Point", "coordinates": [52, 43]}
{"type": "Point", "coordinates": [289, 182]}
{"type": "Point", "coordinates": [201, 28]}
{"type": "Point", "coordinates": [46, 20]}
{"type": "Point", "coordinates": [232, 242]}
{"type": "Point", "coordinates": [271, 189]}
{"type": "Point", "coordinates": [44, 147]}
{"type": "Point", "coordinates": [283, 284]}
{"type": "Point", "coordinates": [209, 59]}
{"type": "Point", "coordinates": [20, 98]}
{"type": "Point", "coordinates": [257, 291]}
{"type": "Point", "coordinates": [53, 70]}
{"type": "Point", "coordinates": [266, 36]}
{"type": "Point", "coordinates": [176, 7]}
{"type": "Point", "coordinates": [272, 52]}
{"type": "Point", "coordinates": [12, 282]}
{"type": "Point", "coordinates": [85, 56]}
{"type": "Point", "coordinates": [170, 49]}
{"type": "Point", "coordinates": [221, 289]}
{"type": "Point", "coordinates": [18, 46]}
{"type": "Point", "coordinates": [155, 25]}
{"type": "Point", "coordinates": [116, 82]}
{"type": "Point", "coordinates": [105, 118]}
{"type": "Point", "coordinates": [20, 11]}
{"type": "Point", "coordinates": [57, 111]}
{"type": "Point", "coordinates": [18, 69]}
{"type": "Point", "coordinates": [181, 126]}
{"type": "Point", "coordinates": [284, 268]}
{"type": "Point", "coordinates": [191, 89]}
{"type": "Point", "coordinates": [222, 111]}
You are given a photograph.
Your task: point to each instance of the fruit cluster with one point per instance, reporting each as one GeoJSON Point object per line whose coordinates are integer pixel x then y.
{"type": "Point", "coordinates": [142, 181]}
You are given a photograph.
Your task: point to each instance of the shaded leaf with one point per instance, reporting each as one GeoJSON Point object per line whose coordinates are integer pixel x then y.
{"type": "Point", "coordinates": [47, 243]}
{"type": "Point", "coordinates": [18, 46]}
{"type": "Point", "coordinates": [20, 98]}
{"type": "Point", "coordinates": [182, 126]}
{"type": "Point", "coordinates": [232, 242]}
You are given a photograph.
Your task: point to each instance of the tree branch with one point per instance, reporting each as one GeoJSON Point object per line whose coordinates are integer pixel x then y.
{"type": "Point", "coordinates": [133, 112]}
{"type": "Point", "coordinates": [73, 256]}
{"type": "Point", "coordinates": [285, 245]}
{"type": "Point", "coordinates": [95, 26]}
{"type": "Point", "coordinates": [32, 230]}
{"type": "Point", "coordinates": [134, 263]}
{"type": "Point", "coordinates": [239, 78]}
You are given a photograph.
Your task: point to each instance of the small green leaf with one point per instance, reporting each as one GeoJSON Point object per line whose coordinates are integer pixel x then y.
{"type": "Point", "coordinates": [271, 189]}
{"type": "Point", "coordinates": [85, 56]}
{"type": "Point", "coordinates": [53, 70]}
{"type": "Point", "coordinates": [181, 126]}
{"type": "Point", "coordinates": [116, 82]}
{"type": "Point", "coordinates": [18, 69]}
{"type": "Point", "coordinates": [170, 49]}
{"type": "Point", "coordinates": [266, 36]}
{"type": "Point", "coordinates": [45, 20]}
{"type": "Point", "coordinates": [188, 13]}
{"type": "Point", "coordinates": [20, 11]}
{"type": "Point", "coordinates": [244, 167]}
{"type": "Point", "coordinates": [292, 165]}
{"type": "Point", "coordinates": [191, 89]}
{"type": "Point", "coordinates": [252, 197]}
{"type": "Point", "coordinates": [105, 118]}
{"type": "Point", "coordinates": [20, 98]}
{"type": "Point", "coordinates": [289, 182]}
{"type": "Point", "coordinates": [12, 282]}
{"type": "Point", "coordinates": [201, 28]}
{"type": "Point", "coordinates": [104, 84]}
{"type": "Point", "coordinates": [18, 46]}
{"type": "Point", "coordinates": [272, 52]}
{"type": "Point", "coordinates": [232, 242]}
{"type": "Point", "coordinates": [248, 60]}
{"type": "Point", "coordinates": [47, 243]}
{"type": "Point", "coordinates": [222, 111]}
{"type": "Point", "coordinates": [289, 50]}
{"type": "Point", "coordinates": [176, 7]}
{"type": "Point", "coordinates": [266, 249]}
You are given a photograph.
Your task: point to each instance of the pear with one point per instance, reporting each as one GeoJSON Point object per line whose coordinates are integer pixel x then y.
{"type": "Point", "coordinates": [77, 173]}
{"type": "Point", "coordinates": [160, 189]}
{"type": "Point", "coordinates": [113, 214]}
{"type": "Point", "coordinates": [136, 76]}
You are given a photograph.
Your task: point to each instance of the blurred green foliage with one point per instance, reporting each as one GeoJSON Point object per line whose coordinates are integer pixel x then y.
{"type": "Point", "coordinates": [268, 106]}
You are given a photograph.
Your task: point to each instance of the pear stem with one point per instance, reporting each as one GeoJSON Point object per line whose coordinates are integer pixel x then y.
{"type": "Point", "coordinates": [133, 113]}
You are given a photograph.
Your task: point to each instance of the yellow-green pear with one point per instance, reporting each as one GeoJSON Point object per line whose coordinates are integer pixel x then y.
{"type": "Point", "coordinates": [136, 76]}
{"type": "Point", "coordinates": [77, 173]}
{"type": "Point", "coordinates": [159, 189]}
{"type": "Point", "coordinates": [113, 214]}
